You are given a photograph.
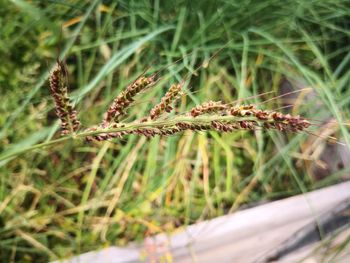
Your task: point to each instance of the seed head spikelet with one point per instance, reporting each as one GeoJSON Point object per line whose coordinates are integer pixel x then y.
{"type": "Point", "coordinates": [245, 117]}
{"type": "Point", "coordinates": [271, 119]}
{"type": "Point", "coordinates": [59, 91]}
{"type": "Point", "coordinates": [208, 107]}
{"type": "Point", "coordinates": [171, 96]}
{"type": "Point", "coordinates": [125, 98]}
{"type": "Point", "coordinates": [208, 116]}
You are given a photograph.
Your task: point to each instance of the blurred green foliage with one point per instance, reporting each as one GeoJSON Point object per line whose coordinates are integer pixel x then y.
{"type": "Point", "coordinates": [74, 197]}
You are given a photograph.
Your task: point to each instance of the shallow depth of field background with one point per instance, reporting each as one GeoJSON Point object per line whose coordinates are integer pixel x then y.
{"type": "Point", "coordinates": [74, 197]}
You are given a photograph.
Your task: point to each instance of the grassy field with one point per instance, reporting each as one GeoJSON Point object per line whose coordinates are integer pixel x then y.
{"type": "Point", "coordinates": [74, 196]}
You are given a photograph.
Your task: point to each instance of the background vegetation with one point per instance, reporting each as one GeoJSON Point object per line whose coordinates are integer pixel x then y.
{"type": "Point", "coordinates": [74, 197]}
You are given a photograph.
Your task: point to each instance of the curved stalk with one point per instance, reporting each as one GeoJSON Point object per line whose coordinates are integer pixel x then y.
{"type": "Point", "coordinates": [130, 127]}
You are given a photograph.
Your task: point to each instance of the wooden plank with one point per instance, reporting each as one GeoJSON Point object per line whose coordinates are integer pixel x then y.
{"type": "Point", "coordinates": [244, 236]}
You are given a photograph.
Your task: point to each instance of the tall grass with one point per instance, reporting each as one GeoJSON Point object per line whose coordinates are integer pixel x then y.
{"type": "Point", "coordinates": [70, 197]}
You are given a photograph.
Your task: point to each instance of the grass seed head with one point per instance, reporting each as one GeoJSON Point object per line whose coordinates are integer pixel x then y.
{"type": "Point", "coordinates": [63, 107]}
{"type": "Point", "coordinates": [208, 107]}
{"type": "Point", "coordinates": [171, 96]}
{"type": "Point", "coordinates": [125, 98]}
{"type": "Point", "coordinates": [269, 119]}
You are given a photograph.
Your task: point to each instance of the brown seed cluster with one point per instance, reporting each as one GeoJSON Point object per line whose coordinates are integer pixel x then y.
{"type": "Point", "coordinates": [286, 123]}
{"type": "Point", "coordinates": [59, 91]}
{"type": "Point", "coordinates": [124, 99]}
{"type": "Point", "coordinates": [221, 117]}
{"type": "Point", "coordinates": [256, 118]}
{"type": "Point", "coordinates": [225, 127]}
{"type": "Point", "coordinates": [172, 95]}
{"type": "Point", "coordinates": [271, 119]}
{"type": "Point", "coordinates": [105, 136]}
{"type": "Point", "coordinates": [208, 107]}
